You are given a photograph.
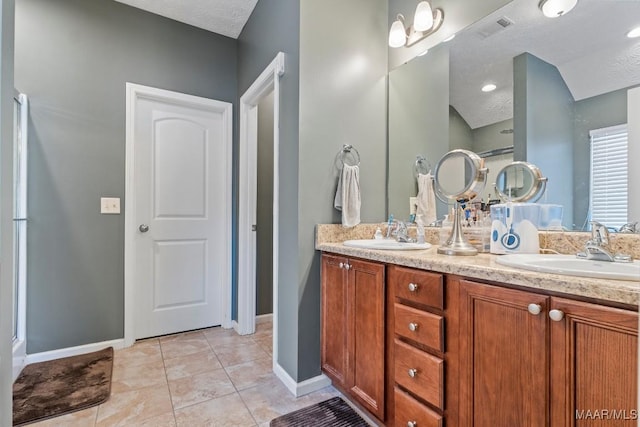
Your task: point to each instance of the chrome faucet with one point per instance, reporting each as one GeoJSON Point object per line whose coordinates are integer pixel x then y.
{"type": "Point", "coordinates": [630, 227]}
{"type": "Point", "coordinates": [597, 248]}
{"type": "Point", "coordinates": [400, 231]}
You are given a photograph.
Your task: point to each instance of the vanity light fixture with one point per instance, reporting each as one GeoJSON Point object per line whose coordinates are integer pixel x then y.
{"type": "Point", "coordinates": [426, 21]}
{"type": "Point", "coordinates": [555, 8]}
{"type": "Point", "coordinates": [488, 87]}
{"type": "Point", "coordinates": [634, 33]}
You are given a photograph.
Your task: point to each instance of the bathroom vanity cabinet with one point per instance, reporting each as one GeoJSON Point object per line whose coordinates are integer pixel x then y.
{"type": "Point", "coordinates": [531, 359]}
{"type": "Point", "coordinates": [424, 348]}
{"type": "Point", "coordinates": [353, 332]}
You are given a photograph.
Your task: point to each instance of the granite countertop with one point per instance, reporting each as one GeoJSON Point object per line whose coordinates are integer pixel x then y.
{"type": "Point", "coordinates": [485, 267]}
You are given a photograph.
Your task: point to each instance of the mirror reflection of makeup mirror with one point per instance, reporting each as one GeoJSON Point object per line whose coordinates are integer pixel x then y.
{"type": "Point", "coordinates": [520, 182]}
{"type": "Point", "coordinates": [460, 177]}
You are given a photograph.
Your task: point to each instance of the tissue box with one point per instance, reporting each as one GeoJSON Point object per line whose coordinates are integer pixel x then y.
{"type": "Point", "coordinates": [514, 228]}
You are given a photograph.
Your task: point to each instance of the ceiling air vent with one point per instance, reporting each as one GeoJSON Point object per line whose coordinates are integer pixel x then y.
{"type": "Point", "coordinates": [494, 27]}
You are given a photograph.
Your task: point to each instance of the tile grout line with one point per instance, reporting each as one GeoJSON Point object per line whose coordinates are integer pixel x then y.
{"type": "Point", "coordinates": [164, 366]}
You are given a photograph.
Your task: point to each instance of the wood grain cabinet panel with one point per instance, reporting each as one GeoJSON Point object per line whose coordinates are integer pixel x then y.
{"type": "Point", "coordinates": [410, 412]}
{"type": "Point", "coordinates": [420, 326]}
{"type": "Point", "coordinates": [421, 373]}
{"type": "Point", "coordinates": [594, 365]}
{"type": "Point", "coordinates": [416, 286]}
{"type": "Point", "coordinates": [352, 328]}
{"type": "Point", "coordinates": [503, 357]}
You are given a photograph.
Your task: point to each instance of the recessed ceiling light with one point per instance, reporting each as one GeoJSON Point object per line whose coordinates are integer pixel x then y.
{"type": "Point", "coordinates": [488, 87]}
{"type": "Point", "coordinates": [634, 33]}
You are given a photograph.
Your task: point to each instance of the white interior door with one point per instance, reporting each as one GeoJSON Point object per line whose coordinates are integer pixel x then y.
{"type": "Point", "coordinates": [182, 185]}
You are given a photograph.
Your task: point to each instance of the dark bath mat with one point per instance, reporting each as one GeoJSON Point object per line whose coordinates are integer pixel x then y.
{"type": "Point", "coordinates": [330, 413]}
{"type": "Point", "coordinates": [48, 389]}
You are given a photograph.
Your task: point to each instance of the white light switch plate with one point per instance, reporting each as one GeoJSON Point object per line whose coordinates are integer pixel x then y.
{"type": "Point", "coordinates": [110, 205]}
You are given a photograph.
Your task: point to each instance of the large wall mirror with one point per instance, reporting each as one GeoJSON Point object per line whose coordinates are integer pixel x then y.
{"type": "Point", "coordinates": [558, 81]}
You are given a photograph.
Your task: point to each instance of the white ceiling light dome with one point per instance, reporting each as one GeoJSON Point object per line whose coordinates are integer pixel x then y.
{"type": "Point", "coordinates": [555, 8]}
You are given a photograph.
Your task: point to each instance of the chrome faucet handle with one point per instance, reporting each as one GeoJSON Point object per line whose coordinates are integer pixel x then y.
{"type": "Point", "coordinates": [630, 227]}
{"type": "Point", "coordinates": [599, 234]}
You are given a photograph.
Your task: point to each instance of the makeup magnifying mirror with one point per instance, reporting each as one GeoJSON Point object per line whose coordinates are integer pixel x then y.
{"type": "Point", "coordinates": [460, 176]}
{"type": "Point", "coordinates": [520, 182]}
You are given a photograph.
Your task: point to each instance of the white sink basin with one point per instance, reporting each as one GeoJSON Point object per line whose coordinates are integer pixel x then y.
{"type": "Point", "coordinates": [385, 244]}
{"type": "Point", "coordinates": [572, 266]}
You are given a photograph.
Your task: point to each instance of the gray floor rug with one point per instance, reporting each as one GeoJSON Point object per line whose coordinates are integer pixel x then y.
{"type": "Point", "coordinates": [334, 412]}
{"type": "Point", "coordinates": [48, 389]}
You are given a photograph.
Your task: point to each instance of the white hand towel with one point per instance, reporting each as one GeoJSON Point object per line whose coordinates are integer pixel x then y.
{"type": "Point", "coordinates": [426, 199]}
{"type": "Point", "coordinates": [347, 197]}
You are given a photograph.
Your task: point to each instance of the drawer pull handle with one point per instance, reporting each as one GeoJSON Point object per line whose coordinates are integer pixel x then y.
{"type": "Point", "coordinates": [412, 372]}
{"type": "Point", "coordinates": [534, 309]}
{"type": "Point", "coordinates": [413, 287]}
{"type": "Point", "coordinates": [556, 315]}
{"type": "Point", "coordinates": [413, 327]}
{"type": "Point", "coordinates": [412, 424]}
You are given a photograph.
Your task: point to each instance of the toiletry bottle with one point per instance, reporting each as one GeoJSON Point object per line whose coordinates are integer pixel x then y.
{"type": "Point", "coordinates": [420, 229]}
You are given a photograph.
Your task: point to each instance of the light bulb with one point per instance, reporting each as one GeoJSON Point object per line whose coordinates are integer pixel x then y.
{"type": "Point", "coordinates": [397, 33]}
{"type": "Point", "coordinates": [423, 19]}
{"type": "Point", "coordinates": [555, 8]}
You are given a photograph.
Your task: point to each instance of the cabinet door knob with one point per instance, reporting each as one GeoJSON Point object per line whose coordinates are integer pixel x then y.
{"type": "Point", "coordinates": [534, 309]}
{"type": "Point", "coordinates": [412, 372]}
{"type": "Point", "coordinates": [347, 266]}
{"type": "Point", "coordinates": [413, 327]}
{"type": "Point", "coordinates": [412, 424]}
{"type": "Point", "coordinates": [413, 287]}
{"type": "Point", "coordinates": [556, 315]}
{"type": "Point", "coordinates": [341, 265]}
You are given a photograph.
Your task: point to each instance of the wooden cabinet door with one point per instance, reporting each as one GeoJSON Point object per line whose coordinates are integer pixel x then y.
{"type": "Point", "coordinates": [504, 360]}
{"type": "Point", "coordinates": [334, 318]}
{"type": "Point", "coordinates": [366, 334]}
{"type": "Point", "coordinates": [594, 372]}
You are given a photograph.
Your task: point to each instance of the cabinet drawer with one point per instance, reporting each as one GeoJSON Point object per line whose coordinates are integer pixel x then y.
{"type": "Point", "coordinates": [409, 410]}
{"type": "Point", "coordinates": [417, 286]}
{"type": "Point", "coordinates": [420, 326]}
{"type": "Point", "coordinates": [419, 372]}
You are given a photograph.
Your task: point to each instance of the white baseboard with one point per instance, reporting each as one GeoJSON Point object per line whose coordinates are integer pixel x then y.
{"type": "Point", "coordinates": [301, 388]}
{"type": "Point", "coordinates": [264, 318]}
{"type": "Point", "coordinates": [19, 356]}
{"type": "Point", "coordinates": [73, 351]}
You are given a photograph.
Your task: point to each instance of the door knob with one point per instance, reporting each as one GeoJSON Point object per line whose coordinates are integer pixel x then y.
{"type": "Point", "coordinates": [143, 228]}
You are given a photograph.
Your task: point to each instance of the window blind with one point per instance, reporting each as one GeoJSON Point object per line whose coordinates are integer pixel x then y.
{"type": "Point", "coordinates": [609, 163]}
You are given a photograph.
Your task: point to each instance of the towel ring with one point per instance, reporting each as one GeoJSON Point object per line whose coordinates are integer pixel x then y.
{"type": "Point", "coordinates": [344, 154]}
{"type": "Point", "coordinates": [421, 166]}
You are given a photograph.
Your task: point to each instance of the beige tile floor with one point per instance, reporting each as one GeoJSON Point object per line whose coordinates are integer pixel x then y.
{"type": "Point", "coordinates": [211, 377]}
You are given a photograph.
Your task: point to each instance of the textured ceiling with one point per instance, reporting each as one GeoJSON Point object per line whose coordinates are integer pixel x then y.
{"type": "Point", "coordinates": [226, 17]}
{"type": "Point", "coordinates": [588, 46]}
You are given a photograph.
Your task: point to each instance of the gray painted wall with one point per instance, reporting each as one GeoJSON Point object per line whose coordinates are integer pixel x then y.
{"type": "Point", "coordinates": [460, 133]}
{"type": "Point", "coordinates": [597, 112]}
{"type": "Point", "coordinates": [273, 27]}
{"type": "Point", "coordinates": [418, 123]}
{"type": "Point", "coordinates": [488, 137]}
{"type": "Point", "coordinates": [264, 214]}
{"type": "Point", "coordinates": [343, 67]}
{"type": "Point", "coordinates": [6, 201]}
{"type": "Point", "coordinates": [543, 132]}
{"type": "Point", "coordinates": [73, 58]}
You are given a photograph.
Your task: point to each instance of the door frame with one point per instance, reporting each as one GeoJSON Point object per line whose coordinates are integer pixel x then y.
{"type": "Point", "coordinates": [267, 82]}
{"type": "Point", "coordinates": [133, 93]}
